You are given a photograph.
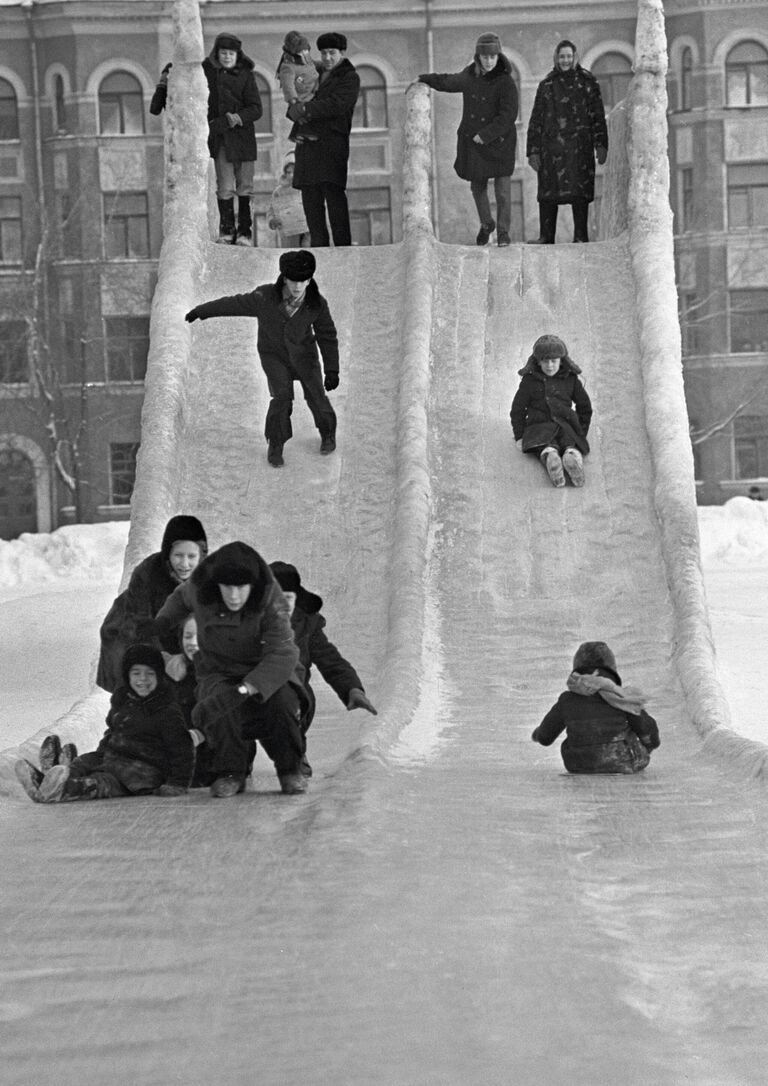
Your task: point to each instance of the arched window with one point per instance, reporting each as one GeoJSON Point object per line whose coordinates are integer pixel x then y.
{"type": "Point", "coordinates": [264, 123]}
{"type": "Point", "coordinates": [371, 107]}
{"type": "Point", "coordinates": [686, 69]}
{"type": "Point", "coordinates": [613, 71]}
{"type": "Point", "coordinates": [9, 113]}
{"type": "Point", "coordinates": [746, 75]}
{"type": "Point", "coordinates": [121, 105]}
{"type": "Point", "coordinates": [58, 104]}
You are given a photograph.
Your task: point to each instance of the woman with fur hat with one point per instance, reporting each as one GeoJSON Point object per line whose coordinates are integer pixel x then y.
{"type": "Point", "coordinates": [607, 729]}
{"type": "Point", "coordinates": [314, 648]}
{"type": "Point", "coordinates": [130, 617]}
{"type": "Point", "coordinates": [543, 421]}
{"type": "Point", "coordinates": [294, 320]}
{"type": "Point", "coordinates": [247, 665]}
{"type": "Point", "coordinates": [486, 137]}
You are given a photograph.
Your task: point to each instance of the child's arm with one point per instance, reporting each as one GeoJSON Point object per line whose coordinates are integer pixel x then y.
{"type": "Point", "coordinates": [286, 77]}
{"type": "Point", "coordinates": [174, 611]}
{"type": "Point", "coordinates": [231, 305]}
{"type": "Point", "coordinates": [583, 406]}
{"type": "Point", "coordinates": [181, 752]}
{"type": "Point", "coordinates": [551, 726]}
{"type": "Point", "coordinates": [518, 410]}
{"type": "Point", "coordinates": [443, 81]}
{"type": "Point", "coordinates": [337, 672]}
{"type": "Point", "coordinates": [646, 729]}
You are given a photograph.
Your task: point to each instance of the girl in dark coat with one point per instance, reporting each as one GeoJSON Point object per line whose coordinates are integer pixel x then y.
{"type": "Point", "coordinates": [486, 136]}
{"type": "Point", "coordinates": [567, 130]}
{"type": "Point", "coordinates": [233, 106]}
{"type": "Point", "coordinates": [130, 617]}
{"type": "Point", "coordinates": [543, 421]}
{"type": "Point", "coordinates": [607, 729]}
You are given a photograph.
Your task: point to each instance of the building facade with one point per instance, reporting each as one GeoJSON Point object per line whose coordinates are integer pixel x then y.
{"type": "Point", "coordinates": [81, 175]}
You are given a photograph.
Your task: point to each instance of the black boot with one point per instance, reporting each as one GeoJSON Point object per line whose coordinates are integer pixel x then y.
{"type": "Point", "coordinates": [580, 209]}
{"type": "Point", "coordinates": [244, 221]}
{"type": "Point", "coordinates": [547, 224]}
{"type": "Point", "coordinates": [226, 221]}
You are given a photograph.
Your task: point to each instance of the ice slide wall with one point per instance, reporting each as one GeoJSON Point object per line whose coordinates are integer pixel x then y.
{"type": "Point", "coordinates": [198, 440]}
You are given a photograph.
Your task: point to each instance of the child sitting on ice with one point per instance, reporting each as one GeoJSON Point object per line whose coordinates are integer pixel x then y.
{"type": "Point", "coordinates": [543, 421]}
{"type": "Point", "coordinates": [607, 729]}
{"type": "Point", "coordinates": [298, 77]}
{"type": "Point", "coordinates": [146, 747]}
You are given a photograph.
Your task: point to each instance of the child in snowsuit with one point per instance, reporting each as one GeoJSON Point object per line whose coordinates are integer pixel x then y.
{"type": "Point", "coordinates": [314, 648]}
{"type": "Point", "coordinates": [543, 421]}
{"type": "Point", "coordinates": [607, 729]}
{"type": "Point", "coordinates": [129, 619]}
{"type": "Point", "coordinates": [285, 213]}
{"type": "Point", "coordinates": [298, 76]}
{"type": "Point", "coordinates": [146, 747]}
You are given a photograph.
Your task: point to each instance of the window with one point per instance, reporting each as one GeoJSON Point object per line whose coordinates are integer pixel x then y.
{"type": "Point", "coordinates": [121, 106]}
{"type": "Point", "coordinates": [122, 471]}
{"type": "Point", "coordinates": [127, 345]}
{"type": "Point", "coordinates": [370, 216]}
{"type": "Point", "coordinates": [686, 71]}
{"type": "Point", "coordinates": [748, 311]}
{"type": "Point", "coordinates": [748, 195]}
{"type": "Point", "coordinates": [371, 106]}
{"type": "Point", "coordinates": [14, 367]}
{"type": "Point", "coordinates": [18, 494]}
{"type": "Point", "coordinates": [750, 446]}
{"type": "Point", "coordinates": [746, 75]}
{"type": "Point", "coordinates": [685, 217]}
{"type": "Point", "coordinates": [264, 123]}
{"type": "Point", "coordinates": [59, 112]}
{"type": "Point", "coordinates": [614, 71]}
{"type": "Point", "coordinates": [9, 113]}
{"type": "Point", "coordinates": [10, 230]}
{"type": "Point", "coordinates": [126, 225]}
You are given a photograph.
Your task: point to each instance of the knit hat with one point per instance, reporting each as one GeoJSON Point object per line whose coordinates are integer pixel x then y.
{"type": "Point", "coordinates": [298, 265]}
{"type": "Point", "coordinates": [186, 529]}
{"type": "Point", "coordinates": [287, 576]}
{"type": "Point", "coordinates": [332, 40]}
{"type": "Point", "coordinates": [294, 42]}
{"type": "Point", "coordinates": [227, 41]}
{"type": "Point", "coordinates": [488, 45]}
{"type": "Point", "coordinates": [594, 654]}
{"type": "Point", "coordinates": [146, 655]}
{"type": "Point", "coordinates": [549, 347]}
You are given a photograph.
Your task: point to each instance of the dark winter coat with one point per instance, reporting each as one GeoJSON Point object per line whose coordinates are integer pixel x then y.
{"type": "Point", "coordinates": [149, 730]}
{"type": "Point", "coordinates": [490, 112]}
{"type": "Point", "coordinates": [293, 340]}
{"type": "Point", "coordinates": [328, 117]}
{"type": "Point", "coordinates": [567, 124]}
{"type": "Point", "coordinates": [315, 648]}
{"type": "Point", "coordinates": [232, 90]}
{"type": "Point", "coordinates": [599, 738]}
{"type": "Point", "coordinates": [253, 645]}
{"type": "Point", "coordinates": [541, 409]}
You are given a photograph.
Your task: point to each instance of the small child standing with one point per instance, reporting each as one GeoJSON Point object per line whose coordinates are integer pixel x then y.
{"type": "Point", "coordinates": [543, 421]}
{"type": "Point", "coordinates": [607, 729]}
{"type": "Point", "coordinates": [146, 747]}
{"type": "Point", "coordinates": [286, 211]}
{"type": "Point", "coordinates": [298, 76]}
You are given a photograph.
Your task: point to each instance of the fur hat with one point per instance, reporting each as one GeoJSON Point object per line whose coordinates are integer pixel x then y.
{"type": "Point", "coordinates": [298, 265]}
{"type": "Point", "coordinates": [289, 579]}
{"type": "Point", "coordinates": [488, 45]}
{"type": "Point", "coordinates": [183, 529]}
{"type": "Point", "coordinates": [294, 42]}
{"type": "Point", "coordinates": [549, 347]}
{"type": "Point", "coordinates": [227, 41]}
{"type": "Point", "coordinates": [594, 654]}
{"type": "Point", "coordinates": [234, 563]}
{"type": "Point", "coordinates": [146, 655]}
{"type": "Point", "coordinates": [332, 40]}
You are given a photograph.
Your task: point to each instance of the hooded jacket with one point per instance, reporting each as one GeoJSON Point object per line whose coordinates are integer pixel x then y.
{"type": "Point", "coordinates": [541, 409]}
{"type": "Point", "coordinates": [232, 90]}
{"type": "Point", "coordinates": [149, 730]}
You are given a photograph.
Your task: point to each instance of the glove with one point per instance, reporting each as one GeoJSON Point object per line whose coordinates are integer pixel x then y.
{"type": "Point", "coordinates": [331, 382]}
{"type": "Point", "coordinates": [358, 700]}
{"type": "Point", "coordinates": [476, 139]}
{"type": "Point", "coordinates": [601, 154]}
{"type": "Point", "coordinates": [193, 315]}
{"type": "Point", "coordinates": [534, 161]}
{"type": "Point", "coordinates": [297, 111]}
{"type": "Point", "coordinates": [170, 790]}
{"type": "Point", "coordinates": [534, 735]}
{"type": "Point", "coordinates": [164, 74]}
{"type": "Point", "coordinates": [233, 120]}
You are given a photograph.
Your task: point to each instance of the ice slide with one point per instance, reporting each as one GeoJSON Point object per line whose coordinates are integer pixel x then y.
{"type": "Point", "coordinates": [446, 906]}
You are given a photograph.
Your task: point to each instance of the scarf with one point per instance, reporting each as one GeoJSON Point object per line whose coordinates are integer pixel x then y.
{"type": "Point", "coordinates": [629, 699]}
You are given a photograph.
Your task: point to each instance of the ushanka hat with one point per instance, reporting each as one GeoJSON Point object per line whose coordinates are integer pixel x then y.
{"type": "Point", "coordinates": [332, 40]}
{"type": "Point", "coordinates": [289, 579]}
{"type": "Point", "coordinates": [183, 529]}
{"type": "Point", "coordinates": [294, 42]}
{"type": "Point", "coordinates": [549, 347]}
{"type": "Point", "coordinates": [146, 655]}
{"type": "Point", "coordinates": [298, 265]}
{"type": "Point", "coordinates": [488, 45]}
{"type": "Point", "coordinates": [594, 654]}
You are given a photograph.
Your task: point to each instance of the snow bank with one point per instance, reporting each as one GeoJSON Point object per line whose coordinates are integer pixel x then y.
{"type": "Point", "coordinates": [734, 534]}
{"type": "Point", "coordinates": [79, 552]}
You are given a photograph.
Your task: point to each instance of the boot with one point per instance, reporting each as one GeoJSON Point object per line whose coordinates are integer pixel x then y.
{"type": "Point", "coordinates": [485, 231]}
{"type": "Point", "coordinates": [580, 209]}
{"type": "Point", "coordinates": [550, 458]}
{"type": "Point", "coordinates": [226, 221]}
{"type": "Point", "coordinates": [547, 224]}
{"type": "Point", "coordinates": [68, 754]}
{"type": "Point", "coordinates": [29, 777]}
{"type": "Point", "coordinates": [244, 221]}
{"type": "Point", "coordinates": [574, 466]}
{"type": "Point", "coordinates": [50, 752]}
{"type": "Point", "coordinates": [293, 784]}
{"type": "Point", "coordinates": [53, 784]}
{"type": "Point", "coordinates": [275, 454]}
{"type": "Point", "coordinates": [227, 787]}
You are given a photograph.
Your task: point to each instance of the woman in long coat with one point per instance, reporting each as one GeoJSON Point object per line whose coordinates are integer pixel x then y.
{"type": "Point", "coordinates": [486, 137]}
{"type": "Point", "coordinates": [567, 130]}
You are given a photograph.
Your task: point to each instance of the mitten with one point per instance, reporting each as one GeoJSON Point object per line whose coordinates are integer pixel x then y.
{"type": "Point", "coordinates": [297, 111]}
{"type": "Point", "coordinates": [601, 154]}
{"type": "Point", "coordinates": [358, 700]}
{"type": "Point", "coordinates": [534, 161]}
{"type": "Point", "coordinates": [170, 790]}
{"type": "Point", "coordinates": [331, 382]}
{"type": "Point", "coordinates": [193, 315]}
{"type": "Point", "coordinates": [233, 120]}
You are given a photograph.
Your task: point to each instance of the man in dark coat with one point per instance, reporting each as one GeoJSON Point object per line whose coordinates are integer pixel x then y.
{"type": "Point", "coordinates": [321, 158]}
{"type": "Point", "coordinates": [486, 137]}
{"type": "Point", "coordinates": [294, 320]}
{"type": "Point", "coordinates": [567, 130]}
{"type": "Point", "coordinates": [233, 106]}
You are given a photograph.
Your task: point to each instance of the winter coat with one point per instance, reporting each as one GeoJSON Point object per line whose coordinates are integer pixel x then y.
{"type": "Point", "coordinates": [287, 208]}
{"type": "Point", "coordinates": [490, 112]}
{"type": "Point", "coordinates": [149, 730]}
{"type": "Point", "coordinates": [253, 645]}
{"type": "Point", "coordinates": [328, 117]}
{"type": "Point", "coordinates": [541, 409]}
{"type": "Point", "coordinates": [281, 339]}
{"type": "Point", "coordinates": [298, 81]}
{"type": "Point", "coordinates": [232, 90]}
{"type": "Point", "coordinates": [567, 124]}
{"type": "Point", "coordinates": [599, 738]}
{"type": "Point", "coordinates": [315, 648]}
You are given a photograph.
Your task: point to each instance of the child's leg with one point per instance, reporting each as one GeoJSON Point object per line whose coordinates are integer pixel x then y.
{"type": "Point", "coordinates": [550, 458]}
{"type": "Point", "coordinates": [58, 786]}
{"type": "Point", "coordinates": [574, 465]}
{"type": "Point", "coordinates": [134, 777]}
